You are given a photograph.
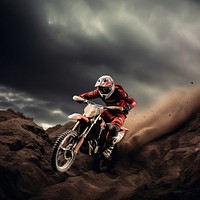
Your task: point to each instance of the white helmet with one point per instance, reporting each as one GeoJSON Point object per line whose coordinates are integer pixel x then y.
{"type": "Point", "coordinates": [106, 86]}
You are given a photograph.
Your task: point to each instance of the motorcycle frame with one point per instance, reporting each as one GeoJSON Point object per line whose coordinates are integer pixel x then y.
{"type": "Point", "coordinates": [84, 134]}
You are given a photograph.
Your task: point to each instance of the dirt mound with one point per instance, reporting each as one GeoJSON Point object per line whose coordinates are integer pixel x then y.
{"type": "Point", "coordinates": [24, 159]}
{"type": "Point", "coordinates": [10, 114]}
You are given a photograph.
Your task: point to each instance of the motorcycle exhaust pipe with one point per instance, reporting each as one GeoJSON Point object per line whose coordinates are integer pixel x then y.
{"type": "Point", "coordinates": [79, 145]}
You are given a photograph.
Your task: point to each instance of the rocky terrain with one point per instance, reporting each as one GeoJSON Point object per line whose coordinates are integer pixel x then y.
{"type": "Point", "coordinates": [164, 167]}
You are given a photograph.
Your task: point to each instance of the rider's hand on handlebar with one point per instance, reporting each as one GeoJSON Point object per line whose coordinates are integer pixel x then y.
{"type": "Point", "coordinates": [79, 99]}
{"type": "Point", "coordinates": [127, 108]}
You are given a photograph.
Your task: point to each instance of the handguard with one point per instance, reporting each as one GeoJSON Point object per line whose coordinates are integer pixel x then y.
{"type": "Point", "coordinates": [79, 99]}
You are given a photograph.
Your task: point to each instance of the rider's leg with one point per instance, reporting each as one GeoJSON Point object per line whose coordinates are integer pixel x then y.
{"type": "Point", "coordinates": [113, 131]}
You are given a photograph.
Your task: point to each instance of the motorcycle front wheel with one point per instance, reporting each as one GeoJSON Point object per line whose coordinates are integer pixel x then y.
{"type": "Point", "coordinates": [63, 156]}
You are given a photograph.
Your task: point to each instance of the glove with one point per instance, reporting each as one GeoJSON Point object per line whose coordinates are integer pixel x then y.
{"type": "Point", "coordinates": [127, 108]}
{"type": "Point", "coordinates": [78, 99]}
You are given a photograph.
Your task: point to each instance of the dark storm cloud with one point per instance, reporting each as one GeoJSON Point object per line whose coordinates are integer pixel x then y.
{"type": "Point", "coordinates": [51, 50]}
{"type": "Point", "coordinates": [43, 112]}
{"type": "Point", "coordinates": [128, 35]}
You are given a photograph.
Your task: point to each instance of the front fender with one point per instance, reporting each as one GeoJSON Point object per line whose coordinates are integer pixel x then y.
{"type": "Point", "coordinates": [78, 116]}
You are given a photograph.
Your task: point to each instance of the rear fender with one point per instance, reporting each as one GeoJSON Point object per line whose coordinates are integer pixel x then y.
{"type": "Point", "coordinates": [120, 134]}
{"type": "Point", "coordinates": [78, 116]}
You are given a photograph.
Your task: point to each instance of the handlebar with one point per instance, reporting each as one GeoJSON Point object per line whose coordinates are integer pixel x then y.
{"type": "Point", "coordinates": [82, 100]}
{"type": "Point", "coordinates": [115, 108]}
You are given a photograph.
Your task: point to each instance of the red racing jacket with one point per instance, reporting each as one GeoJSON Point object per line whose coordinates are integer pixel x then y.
{"type": "Point", "coordinates": [118, 98]}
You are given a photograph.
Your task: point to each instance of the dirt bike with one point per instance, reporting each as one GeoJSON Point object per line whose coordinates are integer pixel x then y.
{"type": "Point", "coordinates": [89, 135]}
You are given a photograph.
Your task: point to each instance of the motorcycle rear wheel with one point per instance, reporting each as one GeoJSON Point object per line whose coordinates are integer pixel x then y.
{"type": "Point", "coordinates": [63, 156]}
{"type": "Point", "coordinates": [103, 164]}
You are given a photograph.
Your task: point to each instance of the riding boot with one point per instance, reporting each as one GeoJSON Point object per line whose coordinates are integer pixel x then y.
{"type": "Point", "coordinates": [108, 150]}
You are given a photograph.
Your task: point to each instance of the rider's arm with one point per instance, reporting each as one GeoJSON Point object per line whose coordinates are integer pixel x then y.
{"type": "Point", "coordinates": [133, 102]}
{"type": "Point", "coordinates": [130, 101]}
{"type": "Point", "coordinates": [90, 95]}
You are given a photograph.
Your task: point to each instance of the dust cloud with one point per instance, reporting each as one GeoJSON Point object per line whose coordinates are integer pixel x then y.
{"type": "Point", "coordinates": [176, 108]}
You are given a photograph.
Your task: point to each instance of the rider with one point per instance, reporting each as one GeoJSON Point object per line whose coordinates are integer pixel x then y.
{"type": "Point", "coordinates": [113, 95]}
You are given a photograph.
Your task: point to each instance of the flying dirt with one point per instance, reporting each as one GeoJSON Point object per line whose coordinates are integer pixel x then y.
{"type": "Point", "coordinates": [161, 119]}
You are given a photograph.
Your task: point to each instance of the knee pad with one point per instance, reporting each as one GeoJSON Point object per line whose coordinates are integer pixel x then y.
{"type": "Point", "coordinates": [114, 129]}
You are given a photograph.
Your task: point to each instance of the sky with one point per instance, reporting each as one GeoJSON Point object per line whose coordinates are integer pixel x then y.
{"type": "Point", "coordinates": [51, 50]}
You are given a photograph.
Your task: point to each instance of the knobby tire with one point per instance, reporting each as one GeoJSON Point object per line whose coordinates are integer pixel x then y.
{"type": "Point", "coordinates": [56, 149]}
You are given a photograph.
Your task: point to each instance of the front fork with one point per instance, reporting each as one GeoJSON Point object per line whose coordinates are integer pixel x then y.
{"type": "Point", "coordinates": [84, 134]}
